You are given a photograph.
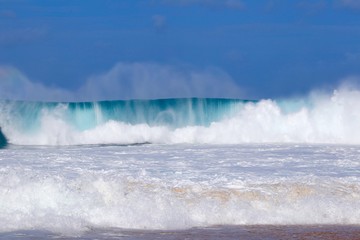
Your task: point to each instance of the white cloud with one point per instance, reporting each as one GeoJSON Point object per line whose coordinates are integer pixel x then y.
{"type": "Point", "coordinates": [312, 7]}
{"type": "Point", "coordinates": [16, 36]}
{"type": "Point", "coordinates": [127, 81]}
{"type": "Point", "coordinates": [159, 22]}
{"type": "Point", "coordinates": [234, 4]}
{"type": "Point", "coordinates": [354, 4]}
{"type": "Point", "coordinates": [7, 14]}
{"type": "Point", "coordinates": [231, 4]}
{"type": "Point", "coordinates": [350, 82]}
{"type": "Point", "coordinates": [352, 57]}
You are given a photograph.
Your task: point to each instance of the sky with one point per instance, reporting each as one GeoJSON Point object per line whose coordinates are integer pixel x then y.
{"type": "Point", "coordinates": [79, 50]}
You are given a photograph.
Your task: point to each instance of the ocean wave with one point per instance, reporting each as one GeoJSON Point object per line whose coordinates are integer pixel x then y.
{"type": "Point", "coordinates": [328, 118]}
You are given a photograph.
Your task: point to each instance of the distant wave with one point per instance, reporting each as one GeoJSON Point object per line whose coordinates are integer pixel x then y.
{"type": "Point", "coordinates": [332, 118]}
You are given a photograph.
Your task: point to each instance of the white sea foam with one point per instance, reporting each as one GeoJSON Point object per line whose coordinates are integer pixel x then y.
{"type": "Point", "coordinates": [74, 189]}
{"type": "Point", "coordinates": [56, 203]}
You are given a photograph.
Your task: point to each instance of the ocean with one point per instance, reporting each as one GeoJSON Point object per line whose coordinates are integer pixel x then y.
{"type": "Point", "coordinates": [181, 168]}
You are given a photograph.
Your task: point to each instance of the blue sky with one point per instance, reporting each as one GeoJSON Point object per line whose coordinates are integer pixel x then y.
{"type": "Point", "coordinates": [92, 50]}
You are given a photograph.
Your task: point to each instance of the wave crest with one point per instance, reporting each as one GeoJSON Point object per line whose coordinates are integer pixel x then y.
{"type": "Point", "coordinates": [321, 119]}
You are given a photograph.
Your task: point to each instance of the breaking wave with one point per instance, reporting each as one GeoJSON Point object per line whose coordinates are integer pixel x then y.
{"type": "Point", "coordinates": [320, 118]}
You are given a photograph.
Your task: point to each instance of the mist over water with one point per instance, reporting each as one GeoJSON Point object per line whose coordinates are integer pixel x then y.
{"type": "Point", "coordinates": [138, 80]}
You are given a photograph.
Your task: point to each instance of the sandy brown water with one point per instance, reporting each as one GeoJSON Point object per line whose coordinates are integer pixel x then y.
{"type": "Point", "coordinates": [252, 232]}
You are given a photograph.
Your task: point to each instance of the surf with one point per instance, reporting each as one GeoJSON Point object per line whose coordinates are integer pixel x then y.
{"type": "Point", "coordinates": [72, 190]}
{"type": "Point", "coordinates": [317, 118]}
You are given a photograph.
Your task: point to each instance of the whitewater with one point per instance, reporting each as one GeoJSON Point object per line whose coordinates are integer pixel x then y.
{"type": "Point", "coordinates": [70, 168]}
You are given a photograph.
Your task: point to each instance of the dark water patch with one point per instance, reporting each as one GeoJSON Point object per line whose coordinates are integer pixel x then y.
{"type": "Point", "coordinates": [3, 140]}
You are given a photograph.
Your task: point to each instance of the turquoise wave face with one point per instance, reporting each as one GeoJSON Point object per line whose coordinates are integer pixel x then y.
{"type": "Point", "coordinates": [3, 140]}
{"type": "Point", "coordinates": [87, 115]}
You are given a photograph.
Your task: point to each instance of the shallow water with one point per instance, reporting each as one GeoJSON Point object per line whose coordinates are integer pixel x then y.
{"type": "Point", "coordinates": [250, 232]}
